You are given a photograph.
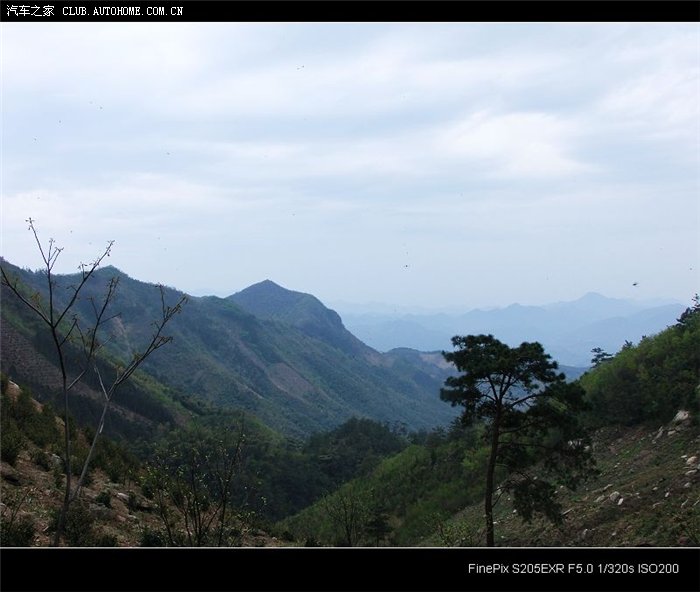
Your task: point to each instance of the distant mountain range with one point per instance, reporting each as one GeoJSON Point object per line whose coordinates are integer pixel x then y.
{"type": "Point", "coordinates": [568, 330]}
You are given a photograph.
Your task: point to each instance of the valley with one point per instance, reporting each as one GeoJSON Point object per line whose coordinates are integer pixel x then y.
{"type": "Point", "coordinates": [325, 421]}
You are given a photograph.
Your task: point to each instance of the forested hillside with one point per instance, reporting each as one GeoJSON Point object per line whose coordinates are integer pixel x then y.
{"type": "Point", "coordinates": [298, 372]}
{"type": "Point", "coordinates": [218, 440]}
{"type": "Point", "coordinates": [643, 415]}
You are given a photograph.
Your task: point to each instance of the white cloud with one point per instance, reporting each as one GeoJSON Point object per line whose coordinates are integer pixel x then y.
{"type": "Point", "coordinates": [349, 145]}
{"type": "Point", "coordinates": [516, 144]}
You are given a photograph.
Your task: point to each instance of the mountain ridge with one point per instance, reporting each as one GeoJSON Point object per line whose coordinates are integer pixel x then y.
{"type": "Point", "coordinates": [568, 330]}
{"type": "Point", "coordinates": [298, 375]}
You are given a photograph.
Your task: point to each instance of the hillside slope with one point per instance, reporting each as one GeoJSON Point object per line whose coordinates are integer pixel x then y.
{"type": "Point", "coordinates": [300, 376]}
{"type": "Point", "coordinates": [644, 416]}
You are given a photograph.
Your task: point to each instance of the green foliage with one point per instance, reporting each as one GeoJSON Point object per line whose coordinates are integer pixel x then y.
{"type": "Point", "coordinates": [106, 540]}
{"type": "Point", "coordinates": [79, 529]}
{"type": "Point", "coordinates": [152, 538]}
{"type": "Point", "coordinates": [353, 449]}
{"type": "Point", "coordinates": [221, 354]}
{"type": "Point", "coordinates": [12, 441]}
{"type": "Point", "coordinates": [40, 458]}
{"type": "Point", "coordinates": [531, 417]}
{"type": "Point", "coordinates": [16, 529]}
{"type": "Point", "coordinates": [599, 356]}
{"type": "Point", "coordinates": [651, 380]}
{"type": "Point", "coordinates": [190, 478]}
{"type": "Point", "coordinates": [104, 498]}
{"type": "Point", "coordinates": [18, 532]}
{"type": "Point", "coordinates": [21, 420]}
{"type": "Point", "coordinates": [411, 492]}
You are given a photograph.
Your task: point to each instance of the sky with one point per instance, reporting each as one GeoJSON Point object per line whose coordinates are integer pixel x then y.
{"type": "Point", "coordinates": [421, 165]}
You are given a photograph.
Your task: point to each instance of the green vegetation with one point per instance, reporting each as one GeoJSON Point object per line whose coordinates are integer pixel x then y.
{"type": "Point", "coordinates": [531, 418]}
{"type": "Point", "coordinates": [237, 429]}
{"type": "Point", "coordinates": [57, 311]}
{"type": "Point", "coordinates": [432, 492]}
{"type": "Point", "coordinates": [649, 381]}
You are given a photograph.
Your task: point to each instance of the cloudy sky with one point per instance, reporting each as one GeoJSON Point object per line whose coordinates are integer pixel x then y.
{"type": "Point", "coordinates": [431, 165]}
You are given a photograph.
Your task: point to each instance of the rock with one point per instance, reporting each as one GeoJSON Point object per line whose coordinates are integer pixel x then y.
{"type": "Point", "coordinates": [614, 496]}
{"type": "Point", "coordinates": [688, 484]}
{"type": "Point", "coordinates": [599, 499]}
{"type": "Point", "coordinates": [691, 472]}
{"type": "Point", "coordinates": [619, 502]}
{"type": "Point", "coordinates": [123, 497]}
{"type": "Point", "coordinates": [692, 460]}
{"type": "Point", "coordinates": [656, 505]}
{"type": "Point", "coordinates": [682, 415]}
{"type": "Point", "coordinates": [671, 432]}
{"type": "Point", "coordinates": [584, 533]}
{"type": "Point", "coordinates": [10, 475]}
{"type": "Point", "coordinates": [667, 494]}
{"type": "Point", "coordinates": [13, 390]}
{"type": "Point", "coordinates": [608, 486]}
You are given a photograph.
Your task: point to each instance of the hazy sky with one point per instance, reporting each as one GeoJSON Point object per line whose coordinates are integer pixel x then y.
{"type": "Point", "coordinates": [415, 164]}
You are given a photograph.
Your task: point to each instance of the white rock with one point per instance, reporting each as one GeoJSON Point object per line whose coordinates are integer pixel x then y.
{"type": "Point", "coordinates": [692, 460]}
{"type": "Point", "coordinates": [681, 416]}
{"type": "Point", "coordinates": [614, 496]}
{"type": "Point", "coordinates": [619, 502]}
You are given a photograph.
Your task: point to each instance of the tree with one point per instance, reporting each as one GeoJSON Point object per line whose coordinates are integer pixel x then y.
{"type": "Point", "coordinates": [191, 479]}
{"type": "Point", "coordinates": [599, 356]}
{"type": "Point", "coordinates": [530, 415]}
{"type": "Point", "coordinates": [348, 513]}
{"type": "Point", "coordinates": [70, 333]}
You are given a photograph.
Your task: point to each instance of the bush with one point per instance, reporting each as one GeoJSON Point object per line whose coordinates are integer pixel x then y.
{"type": "Point", "coordinates": [11, 440]}
{"type": "Point", "coordinates": [106, 540]}
{"type": "Point", "coordinates": [17, 532]}
{"type": "Point", "coordinates": [79, 530]}
{"type": "Point", "coordinates": [40, 458]}
{"type": "Point", "coordinates": [152, 538]}
{"type": "Point", "coordinates": [104, 498]}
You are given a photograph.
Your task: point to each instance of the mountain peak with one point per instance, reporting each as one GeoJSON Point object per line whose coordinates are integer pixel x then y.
{"type": "Point", "coordinates": [267, 284]}
{"type": "Point", "coordinates": [270, 301]}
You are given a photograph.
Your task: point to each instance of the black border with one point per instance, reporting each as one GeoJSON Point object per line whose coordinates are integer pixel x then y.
{"type": "Point", "coordinates": [370, 11]}
{"type": "Point", "coordinates": [347, 570]}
